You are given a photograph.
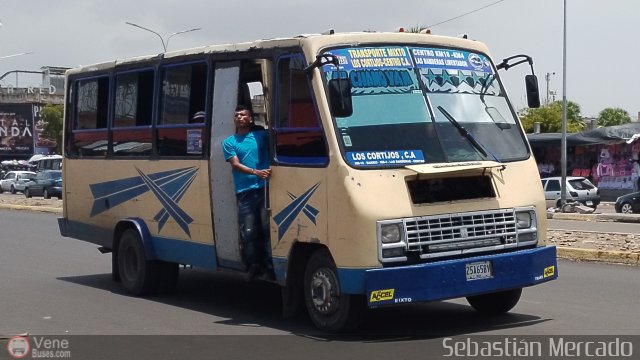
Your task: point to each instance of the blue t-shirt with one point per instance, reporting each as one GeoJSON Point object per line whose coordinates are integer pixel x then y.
{"type": "Point", "coordinates": [252, 150]}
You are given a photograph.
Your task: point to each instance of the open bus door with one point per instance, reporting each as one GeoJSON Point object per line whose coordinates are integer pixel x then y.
{"type": "Point", "coordinates": [235, 82]}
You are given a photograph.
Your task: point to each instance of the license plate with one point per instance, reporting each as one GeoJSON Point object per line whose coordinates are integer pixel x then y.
{"type": "Point", "coordinates": [479, 270]}
{"type": "Point", "coordinates": [589, 203]}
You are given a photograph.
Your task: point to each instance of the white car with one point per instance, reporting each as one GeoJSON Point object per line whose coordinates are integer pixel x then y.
{"type": "Point", "coordinates": [16, 181]}
{"type": "Point", "coordinates": [578, 189]}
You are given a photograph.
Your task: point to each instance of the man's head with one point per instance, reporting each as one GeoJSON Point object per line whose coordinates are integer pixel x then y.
{"type": "Point", "coordinates": [243, 117]}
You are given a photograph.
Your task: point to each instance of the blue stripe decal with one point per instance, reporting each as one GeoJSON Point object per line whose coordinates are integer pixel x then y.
{"type": "Point", "coordinates": [185, 252]}
{"type": "Point", "coordinates": [285, 218]}
{"type": "Point", "coordinates": [168, 187]}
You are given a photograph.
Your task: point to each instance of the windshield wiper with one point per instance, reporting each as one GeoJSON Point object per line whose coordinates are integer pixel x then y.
{"type": "Point", "coordinates": [467, 135]}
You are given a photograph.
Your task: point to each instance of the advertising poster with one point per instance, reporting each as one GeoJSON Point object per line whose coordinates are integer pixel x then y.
{"type": "Point", "coordinates": [43, 145]}
{"type": "Point", "coordinates": [16, 130]}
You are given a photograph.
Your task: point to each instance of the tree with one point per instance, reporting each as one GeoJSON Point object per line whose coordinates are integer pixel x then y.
{"type": "Point", "coordinates": [550, 118]}
{"type": "Point", "coordinates": [613, 116]}
{"type": "Point", "coordinates": [52, 117]}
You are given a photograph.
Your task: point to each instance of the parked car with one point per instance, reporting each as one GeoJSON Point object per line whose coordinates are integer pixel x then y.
{"type": "Point", "coordinates": [579, 189]}
{"type": "Point", "coordinates": [628, 204]}
{"type": "Point", "coordinates": [47, 183]}
{"type": "Point", "coordinates": [16, 180]}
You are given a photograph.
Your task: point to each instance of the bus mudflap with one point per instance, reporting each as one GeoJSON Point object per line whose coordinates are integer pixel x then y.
{"type": "Point", "coordinates": [460, 277]}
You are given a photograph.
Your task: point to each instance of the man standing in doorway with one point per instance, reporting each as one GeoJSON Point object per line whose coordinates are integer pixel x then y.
{"type": "Point", "coordinates": [248, 153]}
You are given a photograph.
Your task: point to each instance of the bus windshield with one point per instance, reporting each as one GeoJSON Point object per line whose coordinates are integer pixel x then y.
{"type": "Point", "coordinates": [412, 105]}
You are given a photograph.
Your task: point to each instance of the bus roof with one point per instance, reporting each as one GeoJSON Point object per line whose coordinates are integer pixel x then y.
{"type": "Point", "coordinates": [312, 43]}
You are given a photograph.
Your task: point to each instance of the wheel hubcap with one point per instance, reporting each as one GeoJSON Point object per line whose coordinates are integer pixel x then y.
{"type": "Point", "coordinates": [324, 291]}
{"type": "Point", "coordinates": [626, 208]}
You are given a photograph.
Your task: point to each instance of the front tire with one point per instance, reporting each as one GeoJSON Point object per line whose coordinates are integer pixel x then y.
{"type": "Point", "coordinates": [27, 194]}
{"type": "Point", "coordinates": [329, 309]}
{"type": "Point", "coordinates": [13, 189]}
{"type": "Point", "coordinates": [626, 208]}
{"type": "Point", "coordinates": [45, 194]}
{"type": "Point", "coordinates": [495, 303]}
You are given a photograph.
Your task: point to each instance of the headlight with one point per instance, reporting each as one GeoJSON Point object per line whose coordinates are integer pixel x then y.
{"type": "Point", "coordinates": [391, 233]}
{"type": "Point", "coordinates": [523, 219]}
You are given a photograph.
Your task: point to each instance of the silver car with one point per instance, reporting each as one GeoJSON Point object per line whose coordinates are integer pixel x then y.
{"type": "Point", "coordinates": [578, 189]}
{"type": "Point", "coordinates": [16, 181]}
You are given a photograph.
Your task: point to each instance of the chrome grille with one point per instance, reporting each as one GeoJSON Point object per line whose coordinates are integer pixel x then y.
{"type": "Point", "coordinates": [460, 231]}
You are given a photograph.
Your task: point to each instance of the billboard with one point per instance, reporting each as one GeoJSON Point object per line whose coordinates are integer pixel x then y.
{"type": "Point", "coordinates": [16, 130]}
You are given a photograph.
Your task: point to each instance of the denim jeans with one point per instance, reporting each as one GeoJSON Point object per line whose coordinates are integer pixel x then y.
{"type": "Point", "coordinates": [254, 235]}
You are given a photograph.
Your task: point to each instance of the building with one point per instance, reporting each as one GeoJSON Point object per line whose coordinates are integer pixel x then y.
{"type": "Point", "coordinates": [20, 105]}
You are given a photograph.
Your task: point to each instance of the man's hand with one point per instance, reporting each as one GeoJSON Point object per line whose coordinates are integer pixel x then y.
{"type": "Point", "coordinates": [264, 174]}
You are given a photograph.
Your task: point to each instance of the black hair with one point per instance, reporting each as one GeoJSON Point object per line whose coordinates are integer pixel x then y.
{"type": "Point", "coordinates": [242, 107]}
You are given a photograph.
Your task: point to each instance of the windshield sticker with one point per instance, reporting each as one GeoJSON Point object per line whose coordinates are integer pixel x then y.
{"type": "Point", "coordinates": [372, 58]}
{"type": "Point", "coordinates": [395, 157]}
{"type": "Point", "coordinates": [451, 59]}
{"type": "Point", "coordinates": [459, 81]}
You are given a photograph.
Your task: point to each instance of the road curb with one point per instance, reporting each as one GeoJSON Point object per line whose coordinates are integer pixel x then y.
{"type": "Point", "coordinates": [627, 218]}
{"type": "Point", "coordinates": [617, 257]}
{"type": "Point", "coordinates": [31, 208]}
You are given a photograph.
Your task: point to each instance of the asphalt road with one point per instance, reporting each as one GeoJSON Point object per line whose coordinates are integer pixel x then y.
{"type": "Point", "coordinates": [59, 286]}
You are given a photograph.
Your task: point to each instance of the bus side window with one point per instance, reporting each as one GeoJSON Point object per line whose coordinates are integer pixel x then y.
{"type": "Point", "coordinates": [131, 127]}
{"type": "Point", "coordinates": [298, 130]}
{"type": "Point", "coordinates": [181, 124]}
{"type": "Point", "coordinates": [88, 120]}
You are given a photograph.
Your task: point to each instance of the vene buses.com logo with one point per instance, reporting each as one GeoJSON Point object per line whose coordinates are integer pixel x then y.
{"type": "Point", "coordinates": [18, 347]}
{"type": "Point", "coordinates": [381, 295]}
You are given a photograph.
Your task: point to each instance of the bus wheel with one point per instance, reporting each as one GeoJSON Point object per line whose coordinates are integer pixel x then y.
{"type": "Point", "coordinates": [137, 274]}
{"type": "Point", "coordinates": [495, 303]}
{"type": "Point", "coordinates": [329, 309]}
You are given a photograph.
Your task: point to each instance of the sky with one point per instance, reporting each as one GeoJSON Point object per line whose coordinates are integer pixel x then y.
{"type": "Point", "coordinates": [601, 36]}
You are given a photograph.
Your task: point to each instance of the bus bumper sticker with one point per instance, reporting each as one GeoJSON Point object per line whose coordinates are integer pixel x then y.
{"type": "Point", "coordinates": [381, 295]}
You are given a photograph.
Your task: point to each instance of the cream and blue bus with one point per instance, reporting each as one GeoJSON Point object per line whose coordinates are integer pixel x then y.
{"type": "Point", "coordinates": [400, 171]}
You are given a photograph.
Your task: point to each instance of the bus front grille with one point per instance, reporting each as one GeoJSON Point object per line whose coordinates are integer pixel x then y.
{"type": "Point", "coordinates": [460, 231]}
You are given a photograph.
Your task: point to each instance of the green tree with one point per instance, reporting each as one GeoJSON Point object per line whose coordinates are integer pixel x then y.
{"type": "Point", "coordinates": [550, 118]}
{"type": "Point", "coordinates": [416, 29]}
{"type": "Point", "coordinates": [52, 117]}
{"type": "Point", "coordinates": [613, 116]}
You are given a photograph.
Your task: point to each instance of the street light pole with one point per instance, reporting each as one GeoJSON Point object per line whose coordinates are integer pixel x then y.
{"type": "Point", "coordinates": [180, 32]}
{"type": "Point", "coordinates": [165, 45]}
{"type": "Point", "coordinates": [563, 157]}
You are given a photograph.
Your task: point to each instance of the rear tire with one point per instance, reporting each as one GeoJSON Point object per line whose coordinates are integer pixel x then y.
{"type": "Point", "coordinates": [495, 303]}
{"type": "Point", "coordinates": [329, 309]}
{"type": "Point", "coordinates": [138, 275]}
{"type": "Point", "coordinates": [27, 194]}
{"type": "Point", "coordinates": [45, 194]}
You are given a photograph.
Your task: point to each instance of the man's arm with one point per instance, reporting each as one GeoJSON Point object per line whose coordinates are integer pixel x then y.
{"type": "Point", "coordinates": [237, 165]}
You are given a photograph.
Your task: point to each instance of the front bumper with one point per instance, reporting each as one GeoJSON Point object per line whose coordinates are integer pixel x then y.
{"type": "Point", "coordinates": [447, 279]}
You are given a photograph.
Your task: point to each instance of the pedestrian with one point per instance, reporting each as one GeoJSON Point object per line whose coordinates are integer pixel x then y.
{"type": "Point", "coordinates": [248, 153]}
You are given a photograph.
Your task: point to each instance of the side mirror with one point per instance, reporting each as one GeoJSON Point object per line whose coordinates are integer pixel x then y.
{"type": "Point", "coordinates": [533, 93]}
{"type": "Point", "coordinates": [340, 97]}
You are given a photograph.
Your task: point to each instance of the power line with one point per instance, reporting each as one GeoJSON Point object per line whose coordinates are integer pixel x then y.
{"type": "Point", "coordinates": [465, 14]}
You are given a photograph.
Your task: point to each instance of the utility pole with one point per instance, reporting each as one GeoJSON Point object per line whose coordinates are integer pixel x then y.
{"type": "Point", "coordinates": [548, 78]}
